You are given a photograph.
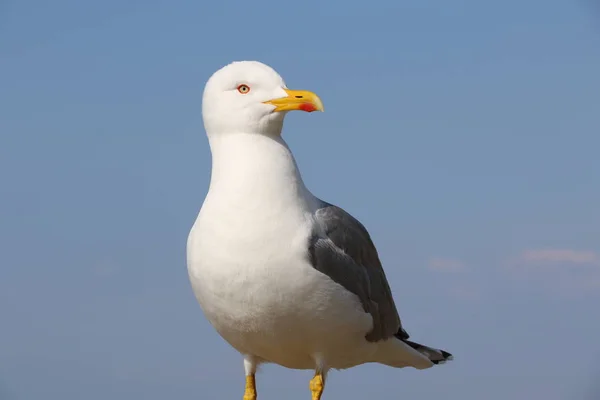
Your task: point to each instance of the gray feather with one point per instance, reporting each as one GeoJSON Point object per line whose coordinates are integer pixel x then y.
{"type": "Point", "coordinates": [341, 248]}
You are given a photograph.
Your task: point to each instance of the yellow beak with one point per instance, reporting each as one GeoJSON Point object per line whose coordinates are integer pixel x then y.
{"type": "Point", "coordinates": [297, 100]}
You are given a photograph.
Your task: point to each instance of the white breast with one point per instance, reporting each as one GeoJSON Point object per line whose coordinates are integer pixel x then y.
{"type": "Point", "coordinates": [248, 260]}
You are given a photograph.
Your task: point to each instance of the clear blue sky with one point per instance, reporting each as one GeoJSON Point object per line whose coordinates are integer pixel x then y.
{"type": "Point", "coordinates": [464, 134]}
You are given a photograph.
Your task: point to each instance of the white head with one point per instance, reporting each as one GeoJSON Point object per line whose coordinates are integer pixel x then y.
{"type": "Point", "coordinates": [250, 97]}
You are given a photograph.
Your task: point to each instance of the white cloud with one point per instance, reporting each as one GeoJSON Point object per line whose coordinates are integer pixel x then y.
{"type": "Point", "coordinates": [562, 270]}
{"type": "Point", "coordinates": [560, 256]}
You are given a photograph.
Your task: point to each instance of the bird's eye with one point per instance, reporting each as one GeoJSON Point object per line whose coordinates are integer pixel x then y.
{"type": "Point", "coordinates": [243, 89]}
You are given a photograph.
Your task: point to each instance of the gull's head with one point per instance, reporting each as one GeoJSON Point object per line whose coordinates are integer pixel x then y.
{"type": "Point", "coordinates": [250, 97]}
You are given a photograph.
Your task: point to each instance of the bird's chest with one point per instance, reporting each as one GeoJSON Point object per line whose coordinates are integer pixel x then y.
{"type": "Point", "coordinates": [248, 270]}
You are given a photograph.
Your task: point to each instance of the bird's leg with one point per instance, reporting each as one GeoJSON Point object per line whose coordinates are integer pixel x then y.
{"type": "Point", "coordinates": [250, 393]}
{"type": "Point", "coordinates": [317, 384]}
{"type": "Point", "coordinates": [250, 365]}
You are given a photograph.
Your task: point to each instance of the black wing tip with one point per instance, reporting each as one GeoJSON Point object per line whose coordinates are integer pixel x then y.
{"type": "Point", "coordinates": [447, 357]}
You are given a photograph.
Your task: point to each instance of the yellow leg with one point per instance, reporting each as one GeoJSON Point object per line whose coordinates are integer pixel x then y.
{"type": "Point", "coordinates": [250, 393]}
{"type": "Point", "coordinates": [317, 384]}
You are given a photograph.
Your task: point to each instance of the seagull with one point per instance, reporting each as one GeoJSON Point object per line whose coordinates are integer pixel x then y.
{"type": "Point", "coordinates": [283, 276]}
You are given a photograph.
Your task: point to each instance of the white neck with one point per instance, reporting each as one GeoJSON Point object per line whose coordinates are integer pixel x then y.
{"type": "Point", "coordinates": [256, 173]}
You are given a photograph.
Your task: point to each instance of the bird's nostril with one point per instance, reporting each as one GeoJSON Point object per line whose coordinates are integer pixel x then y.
{"type": "Point", "coordinates": [299, 97]}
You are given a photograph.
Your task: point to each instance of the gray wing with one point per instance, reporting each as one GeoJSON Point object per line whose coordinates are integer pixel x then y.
{"type": "Point", "coordinates": [341, 248]}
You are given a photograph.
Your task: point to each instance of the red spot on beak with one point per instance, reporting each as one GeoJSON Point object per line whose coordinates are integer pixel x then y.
{"type": "Point", "coordinates": [307, 107]}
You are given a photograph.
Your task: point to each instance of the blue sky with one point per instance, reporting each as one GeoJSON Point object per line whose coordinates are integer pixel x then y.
{"type": "Point", "coordinates": [463, 134]}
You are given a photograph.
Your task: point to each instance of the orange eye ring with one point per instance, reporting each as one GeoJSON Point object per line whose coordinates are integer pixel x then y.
{"type": "Point", "coordinates": [243, 89]}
